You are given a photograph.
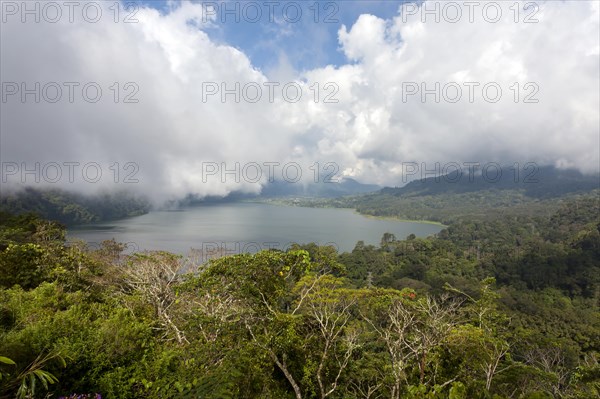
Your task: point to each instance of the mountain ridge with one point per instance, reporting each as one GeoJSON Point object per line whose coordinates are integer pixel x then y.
{"type": "Point", "coordinates": [542, 182]}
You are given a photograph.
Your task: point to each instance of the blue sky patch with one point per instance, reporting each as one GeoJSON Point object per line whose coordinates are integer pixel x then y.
{"type": "Point", "coordinates": [301, 35]}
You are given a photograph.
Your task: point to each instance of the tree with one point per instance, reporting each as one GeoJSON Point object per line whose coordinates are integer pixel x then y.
{"type": "Point", "coordinates": [483, 345]}
{"type": "Point", "coordinates": [327, 308]}
{"type": "Point", "coordinates": [154, 275]}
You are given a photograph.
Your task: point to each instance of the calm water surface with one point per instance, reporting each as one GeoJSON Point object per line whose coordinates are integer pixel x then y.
{"type": "Point", "coordinates": [247, 227]}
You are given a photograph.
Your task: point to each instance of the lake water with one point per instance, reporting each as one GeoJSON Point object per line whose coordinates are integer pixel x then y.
{"type": "Point", "coordinates": [247, 227]}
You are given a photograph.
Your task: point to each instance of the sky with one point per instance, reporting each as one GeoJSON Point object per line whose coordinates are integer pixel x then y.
{"type": "Point", "coordinates": [301, 33]}
{"type": "Point", "coordinates": [173, 98]}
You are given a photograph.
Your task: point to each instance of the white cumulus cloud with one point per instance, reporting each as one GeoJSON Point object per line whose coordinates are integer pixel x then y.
{"type": "Point", "coordinates": [374, 126]}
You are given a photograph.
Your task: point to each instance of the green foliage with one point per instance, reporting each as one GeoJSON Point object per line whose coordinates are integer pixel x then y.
{"type": "Point", "coordinates": [72, 208]}
{"type": "Point", "coordinates": [22, 265]}
{"type": "Point", "coordinates": [493, 307]}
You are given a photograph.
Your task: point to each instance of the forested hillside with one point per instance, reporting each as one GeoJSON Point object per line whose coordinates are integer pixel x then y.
{"type": "Point", "coordinates": [502, 306]}
{"type": "Point", "coordinates": [532, 180]}
{"type": "Point", "coordinates": [535, 192]}
{"type": "Point", "coordinates": [73, 208]}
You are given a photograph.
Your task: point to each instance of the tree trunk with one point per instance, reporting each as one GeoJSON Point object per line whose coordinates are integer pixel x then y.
{"type": "Point", "coordinates": [288, 375]}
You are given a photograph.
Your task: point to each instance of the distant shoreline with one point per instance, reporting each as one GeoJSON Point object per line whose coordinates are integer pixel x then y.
{"type": "Point", "coordinates": [401, 219]}
{"type": "Point", "coordinates": [304, 205]}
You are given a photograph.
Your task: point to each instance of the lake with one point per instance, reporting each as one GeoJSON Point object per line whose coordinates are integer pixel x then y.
{"type": "Point", "coordinates": [247, 227]}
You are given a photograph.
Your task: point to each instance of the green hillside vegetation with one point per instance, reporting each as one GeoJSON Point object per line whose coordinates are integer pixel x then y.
{"type": "Point", "coordinates": [72, 208]}
{"type": "Point", "coordinates": [503, 304]}
{"type": "Point", "coordinates": [530, 179]}
{"type": "Point", "coordinates": [447, 199]}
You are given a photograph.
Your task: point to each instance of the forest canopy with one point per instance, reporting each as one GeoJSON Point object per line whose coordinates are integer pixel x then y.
{"type": "Point", "coordinates": [488, 308]}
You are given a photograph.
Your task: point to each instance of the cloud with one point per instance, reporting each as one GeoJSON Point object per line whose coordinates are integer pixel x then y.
{"type": "Point", "coordinates": [173, 131]}
{"type": "Point", "coordinates": [558, 55]}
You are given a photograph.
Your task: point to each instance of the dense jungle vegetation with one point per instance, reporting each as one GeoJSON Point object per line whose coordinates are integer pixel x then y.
{"type": "Point", "coordinates": [503, 303]}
